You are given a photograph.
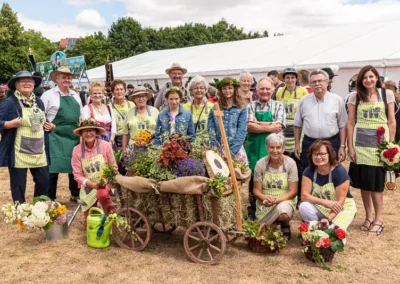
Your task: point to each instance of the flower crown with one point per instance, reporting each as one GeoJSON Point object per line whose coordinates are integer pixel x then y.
{"type": "Point", "coordinates": [232, 82]}
{"type": "Point", "coordinates": [173, 90]}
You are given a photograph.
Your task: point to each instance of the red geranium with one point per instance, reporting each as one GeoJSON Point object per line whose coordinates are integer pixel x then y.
{"type": "Point", "coordinates": [394, 151]}
{"type": "Point", "coordinates": [380, 132]}
{"type": "Point", "coordinates": [341, 234]}
{"type": "Point", "coordinates": [303, 228]}
{"type": "Point", "coordinates": [327, 242]}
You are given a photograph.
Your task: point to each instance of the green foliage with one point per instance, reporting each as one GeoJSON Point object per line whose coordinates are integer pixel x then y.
{"type": "Point", "coordinates": [218, 184]}
{"type": "Point", "coordinates": [268, 236]}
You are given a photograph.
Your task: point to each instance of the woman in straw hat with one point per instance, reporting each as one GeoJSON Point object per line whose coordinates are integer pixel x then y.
{"type": "Point", "coordinates": [88, 159]}
{"type": "Point", "coordinates": [141, 117]}
{"type": "Point", "coordinates": [234, 119]}
{"type": "Point", "coordinates": [100, 112]}
{"type": "Point", "coordinates": [24, 141]}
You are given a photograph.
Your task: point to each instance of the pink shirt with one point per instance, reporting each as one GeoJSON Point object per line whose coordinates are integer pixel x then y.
{"type": "Point", "coordinates": [105, 150]}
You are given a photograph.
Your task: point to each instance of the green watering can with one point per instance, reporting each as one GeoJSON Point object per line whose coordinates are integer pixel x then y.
{"type": "Point", "coordinates": [98, 229]}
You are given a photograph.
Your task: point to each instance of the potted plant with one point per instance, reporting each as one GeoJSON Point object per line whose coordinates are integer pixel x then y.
{"type": "Point", "coordinates": [389, 154]}
{"type": "Point", "coordinates": [320, 241]}
{"type": "Point", "coordinates": [262, 239]}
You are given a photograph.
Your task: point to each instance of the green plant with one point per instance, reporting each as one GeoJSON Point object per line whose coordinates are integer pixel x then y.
{"type": "Point", "coordinates": [108, 174]}
{"type": "Point", "coordinates": [121, 222]}
{"type": "Point", "coordinates": [218, 184]}
{"type": "Point", "coordinates": [143, 165]}
{"type": "Point", "coordinates": [267, 237]}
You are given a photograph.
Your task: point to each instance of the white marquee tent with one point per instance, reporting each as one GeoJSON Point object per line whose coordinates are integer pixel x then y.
{"type": "Point", "coordinates": [349, 47]}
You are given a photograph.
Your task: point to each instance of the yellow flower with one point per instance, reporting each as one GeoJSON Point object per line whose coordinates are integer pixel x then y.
{"type": "Point", "coordinates": [21, 225]}
{"type": "Point", "coordinates": [61, 209]}
{"type": "Point", "coordinates": [230, 82]}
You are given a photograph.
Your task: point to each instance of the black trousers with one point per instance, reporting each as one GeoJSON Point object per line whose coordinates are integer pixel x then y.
{"type": "Point", "coordinates": [18, 182]}
{"type": "Point", "coordinates": [73, 185]}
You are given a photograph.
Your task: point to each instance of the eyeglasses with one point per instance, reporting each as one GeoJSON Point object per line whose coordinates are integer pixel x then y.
{"type": "Point", "coordinates": [26, 81]}
{"type": "Point", "coordinates": [315, 155]}
{"type": "Point", "coordinates": [89, 131]}
{"type": "Point", "coordinates": [318, 82]}
{"type": "Point", "coordinates": [142, 97]}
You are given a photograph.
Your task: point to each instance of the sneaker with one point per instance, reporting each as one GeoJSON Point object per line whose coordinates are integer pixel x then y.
{"type": "Point", "coordinates": [74, 199]}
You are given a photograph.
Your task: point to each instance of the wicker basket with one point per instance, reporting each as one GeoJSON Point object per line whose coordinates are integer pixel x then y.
{"type": "Point", "coordinates": [326, 253]}
{"type": "Point", "coordinates": [255, 245]}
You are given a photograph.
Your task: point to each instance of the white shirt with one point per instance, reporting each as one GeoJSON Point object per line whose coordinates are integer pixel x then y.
{"type": "Point", "coordinates": [51, 101]}
{"type": "Point", "coordinates": [106, 118]}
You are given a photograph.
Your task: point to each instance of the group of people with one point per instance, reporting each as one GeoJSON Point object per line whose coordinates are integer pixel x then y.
{"type": "Point", "coordinates": [291, 131]}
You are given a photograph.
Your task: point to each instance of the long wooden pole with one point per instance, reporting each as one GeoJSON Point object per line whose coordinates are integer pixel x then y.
{"type": "Point", "coordinates": [219, 114]}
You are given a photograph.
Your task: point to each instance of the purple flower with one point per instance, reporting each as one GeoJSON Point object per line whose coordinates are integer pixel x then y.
{"type": "Point", "coordinates": [189, 167]}
{"type": "Point", "coordinates": [61, 219]}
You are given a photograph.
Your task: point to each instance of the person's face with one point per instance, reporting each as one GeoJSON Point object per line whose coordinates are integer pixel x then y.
{"type": "Point", "coordinates": [245, 83]}
{"type": "Point", "coordinates": [2, 93]}
{"type": "Point", "coordinates": [78, 89]}
{"type": "Point", "coordinates": [176, 77]}
{"type": "Point", "coordinates": [63, 80]}
{"type": "Point", "coordinates": [198, 91]}
{"type": "Point", "coordinates": [140, 100]}
{"type": "Point", "coordinates": [319, 84]}
{"type": "Point", "coordinates": [275, 151]}
{"type": "Point", "coordinates": [130, 89]}
{"type": "Point", "coordinates": [265, 90]}
{"type": "Point", "coordinates": [320, 157]}
{"type": "Point", "coordinates": [228, 91]}
{"type": "Point", "coordinates": [330, 81]}
{"type": "Point", "coordinates": [89, 135]}
{"type": "Point", "coordinates": [173, 100]}
{"type": "Point", "coordinates": [369, 80]}
{"type": "Point", "coordinates": [290, 80]}
{"type": "Point", "coordinates": [25, 85]}
{"type": "Point", "coordinates": [97, 95]}
{"type": "Point", "coordinates": [119, 91]}
{"type": "Point", "coordinates": [274, 79]}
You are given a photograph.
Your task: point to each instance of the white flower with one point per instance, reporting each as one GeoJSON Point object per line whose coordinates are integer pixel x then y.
{"type": "Point", "coordinates": [39, 217]}
{"type": "Point", "coordinates": [10, 213]}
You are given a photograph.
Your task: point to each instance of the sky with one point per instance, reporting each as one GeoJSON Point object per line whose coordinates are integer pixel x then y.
{"type": "Point", "coordinates": [58, 19]}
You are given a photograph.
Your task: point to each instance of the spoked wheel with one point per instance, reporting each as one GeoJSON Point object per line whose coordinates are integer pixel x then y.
{"type": "Point", "coordinates": [163, 228]}
{"type": "Point", "coordinates": [204, 243]}
{"type": "Point", "coordinates": [139, 224]}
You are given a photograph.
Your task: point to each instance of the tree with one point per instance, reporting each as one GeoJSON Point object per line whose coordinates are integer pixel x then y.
{"type": "Point", "coordinates": [42, 47]}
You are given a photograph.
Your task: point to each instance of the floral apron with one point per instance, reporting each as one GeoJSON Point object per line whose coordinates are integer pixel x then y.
{"type": "Point", "coordinates": [328, 192]}
{"type": "Point", "coordinates": [274, 185]}
{"type": "Point", "coordinates": [291, 106]}
{"type": "Point", "coordinates": [140, 122]}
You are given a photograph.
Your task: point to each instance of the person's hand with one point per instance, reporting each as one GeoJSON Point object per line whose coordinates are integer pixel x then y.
{"type": "Point", "coordinates": [334, 206]}
{"type": "Point", "coordinates": [297, 151]}
{"type": "Point", "coordinates": [342, 154]}
{"type": "Point", "coordinates": [15, 123]}
{"type": "Point", "coordinates": [276, 127]}
{"type": "Point", "coordinates": [269, 201]}
{"type": "Point", "coordinates": [48, 126]}
{"type": "Point", "coordinates": [352, 155]}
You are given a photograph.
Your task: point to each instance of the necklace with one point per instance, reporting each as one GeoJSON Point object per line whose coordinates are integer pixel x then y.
{"type": "Point", "coordinates": [98, 108]}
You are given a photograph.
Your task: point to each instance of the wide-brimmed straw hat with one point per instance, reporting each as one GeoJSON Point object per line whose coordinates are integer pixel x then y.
{"type": "Point", "coordinates": [140, 90]}
{"type": "Point", "coordinates": [176, 66]}
{"type": "Point", "coordinates": [62, 70]}
{"type": "Point", "coordinates": [289, 70]}
{"type": "Point", "coordinates": [23, 74]}
{"type": "Point", "coordinates": [89, 123]}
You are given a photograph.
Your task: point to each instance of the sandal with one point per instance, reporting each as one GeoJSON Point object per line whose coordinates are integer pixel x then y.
{"type": "Point", "coordinates": [286, 232]}
{"type": "Point", "coordinates": [365, 228]}
{"type": "Point", "coordinates": [378, 231]}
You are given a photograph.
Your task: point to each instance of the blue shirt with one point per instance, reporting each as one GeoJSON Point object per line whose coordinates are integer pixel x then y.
{"type": "Point", "coordinates": [183, 124]}
{"type": "Point", "coordinates": [235, 123]}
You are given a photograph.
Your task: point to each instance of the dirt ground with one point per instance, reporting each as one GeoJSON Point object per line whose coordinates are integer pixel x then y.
{"type": "Point", "coordinates": [26, 257]}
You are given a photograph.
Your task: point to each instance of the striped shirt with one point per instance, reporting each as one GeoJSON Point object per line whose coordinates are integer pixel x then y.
{"type": "Point", "coordinates": [277, 109]}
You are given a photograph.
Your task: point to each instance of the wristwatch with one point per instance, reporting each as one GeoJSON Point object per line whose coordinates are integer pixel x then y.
{"type": "Point", "coordinates": [343, 146]}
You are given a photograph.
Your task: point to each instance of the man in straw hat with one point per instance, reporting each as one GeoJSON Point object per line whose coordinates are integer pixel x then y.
{"type": "Point", "coordinates": [175, 73]}
{"type": "Point", "coordinates": [88, 160]}
{"type": "Point", "coordinates": [63, 108]}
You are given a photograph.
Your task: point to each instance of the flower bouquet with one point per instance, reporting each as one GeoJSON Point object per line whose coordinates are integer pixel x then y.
{"type": "Point", "coordinates": [320, 241]}
{"type": "Point", "coordinates": [389, 154]}
{"type": "Point", "coordinates": [42, 213]}
{"type": "Point", "coordinates": [263, 240]}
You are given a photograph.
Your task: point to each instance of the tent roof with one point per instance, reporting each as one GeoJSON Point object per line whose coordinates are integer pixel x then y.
{"type": "Point", "coordinates": [346, 46]}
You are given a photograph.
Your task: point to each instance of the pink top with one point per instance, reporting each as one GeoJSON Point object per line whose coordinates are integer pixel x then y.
{"type": "Point", "coordinates": [105, 150]}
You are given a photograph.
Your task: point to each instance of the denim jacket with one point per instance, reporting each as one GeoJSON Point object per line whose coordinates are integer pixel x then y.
{"type": "Point", "coordinates": [183, 124]}
{"type": "Point", "coordinates": [235, 122]}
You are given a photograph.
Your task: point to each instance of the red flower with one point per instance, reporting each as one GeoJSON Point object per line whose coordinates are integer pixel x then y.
{"type": "Point", "coordinates": [303, 228]}
{"type": "Point", "coordinates": [327, 242]}
{"type": "Point", "coordinates": [387, 154]}
{"type": "Point", "coordinates": [341, 234]}
{"type": "Point", "coordinates": [394, 151]}
{"type": "Point", "coordinates": [380, 132]}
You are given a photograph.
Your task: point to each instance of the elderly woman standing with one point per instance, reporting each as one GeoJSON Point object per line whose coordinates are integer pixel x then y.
{"type": "Point", "coordinates": [199, 106]}
{"type": "Point", "coordinates": [234, 119]}
{"type": "Point", "coordinates": [24, 142]}
{"type": "Point", "coordinates": [325, 189]}
{"type": "Point", "coordinates": [275, 185]}
{"type": "Point", "coordinates": [246, 81]}
{"type": "Point", "coordinates": [370, 108]}
{"type": "Point", "coordinates": [141, 117]}
{"type": "Point", "coordinates": [100, 112]}
{"type": "Point", "coordinates": [88, 159]}
{"type": "Point", "coordinates": [174, 118]}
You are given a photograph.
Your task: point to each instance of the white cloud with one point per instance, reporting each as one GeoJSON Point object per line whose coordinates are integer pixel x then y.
{"type": "Point", "coordinates": [90, 19]}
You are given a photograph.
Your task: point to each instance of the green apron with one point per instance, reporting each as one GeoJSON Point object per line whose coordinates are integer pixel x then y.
{"type": "Point", "coordinates": [328, 192]}
{"type": "Point", "coordinates": [275, 185]}
{"type": "Point", "coordinates": [255, 143]}
{"type": "Point", "coordinates": [62, 139]}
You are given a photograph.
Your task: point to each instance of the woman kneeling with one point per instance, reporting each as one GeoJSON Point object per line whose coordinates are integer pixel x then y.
{"type": "Point", "coordinates": [88, 159]}
{"type": "Point", "coordinates": [325, 188]}
{"type": "Point", "coordinates": [275, 185]}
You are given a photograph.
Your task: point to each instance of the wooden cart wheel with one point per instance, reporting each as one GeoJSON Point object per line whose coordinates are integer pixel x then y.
{"type": "Point", "coordinates": [163, 228]}
{"type": "Point", "coordinates": [139, 224]}
{"type": "Point", "coordinates": [204, 243]}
